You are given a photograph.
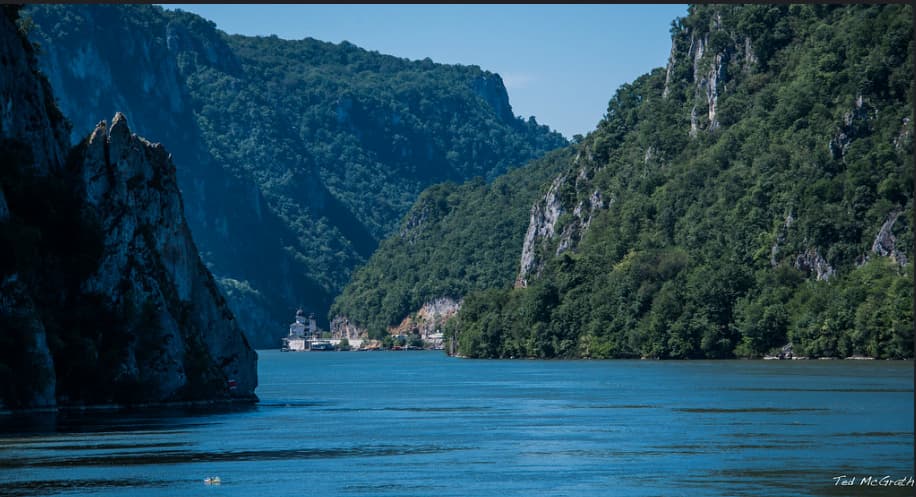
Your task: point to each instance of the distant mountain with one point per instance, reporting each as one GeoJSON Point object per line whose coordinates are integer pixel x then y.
{"type": "Point", "coordinates": [755, 193]}
{"type": "Point", "coordinates": [103, 296]}
{"type": "Point", "coordinates": [294, 157]}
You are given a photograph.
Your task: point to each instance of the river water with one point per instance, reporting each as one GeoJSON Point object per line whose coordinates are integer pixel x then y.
{"type": "Point", "coordinates": [423, 424]}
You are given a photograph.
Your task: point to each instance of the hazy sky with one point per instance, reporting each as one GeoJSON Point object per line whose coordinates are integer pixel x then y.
{"type": "Point", "coordinates": [560, 63]}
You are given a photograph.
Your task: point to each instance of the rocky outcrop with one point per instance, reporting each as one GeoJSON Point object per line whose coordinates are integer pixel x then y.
{"type": "Point", "coordinates": [342, 326]}
{"type": "Point", "coordinates": [708, 73]}
{"type": "Point", "coordinates": [557, 225]}
{"type": "Point", "coordinates": [29, 378]}
{"type": "Point", "coordinates": [151, 263]}
{"type": "Point", "coordinates": [27, 111]}
{"type": "Point", "coordinates": [541, 227]}
{"type": "Point", "coordinates": [672, 59]}
{"type": "Point", "coordinates": [712, 56]}
{"type": "Point", "coordinates": [781, 237]}
{"type": "Point", "coordinates": [885, 243]}
{"type": "Point", "coordinates": [90, 81]}
{"type": "Point", "coordinates": [813, 262]}
{"type": "Point", "coordinates": [426, 321]}
{"type": "Point", "coordinates": [429, 319]}
{"type": "Point", "coordinates": [581, 219]}
{"type": "Point", "coordinates": [855, 124]}
{"type": "Point", "coordinates": [491, 89]}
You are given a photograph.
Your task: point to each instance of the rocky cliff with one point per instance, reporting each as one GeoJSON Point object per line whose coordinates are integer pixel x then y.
{"type": "Point", "coordinates": [103, 296]}
{"type": "Point", "coordinates": [186, 341]}
{"type": "Point", "coordinates": [555, 227]}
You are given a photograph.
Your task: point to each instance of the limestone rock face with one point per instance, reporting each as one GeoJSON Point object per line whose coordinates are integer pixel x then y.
{"type": "Point", "coordinates": [430, 318]}
{"type": "Point", "coordinates": [27, 111]}
{"type": "Point", "coordinates": [490, 87]}
{"type": "Point", "coordinates": [813, 262]}
{"type": "Point", "coordinates": [885, 243]}
{"type": "Point", "coordinates": [342, 326]}
{"type": "Point", "coordinates": [435, 313]}
{"type": "Point", "coordinates": [855, 125]}
{"type": "Point", "coordinates": [34, 370]}
{"type": "Point", "coordinates": [151, 263]}
{"type": "Point", "coordinates": [541, 226]}
{"type": "Point", "coordinates": [710, 57]}
{"type": "Point", "coordinates": [557, 225]}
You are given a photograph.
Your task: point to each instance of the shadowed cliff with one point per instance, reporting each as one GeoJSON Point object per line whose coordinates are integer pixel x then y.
{"type": "Point", "coordinates": [103, 296]}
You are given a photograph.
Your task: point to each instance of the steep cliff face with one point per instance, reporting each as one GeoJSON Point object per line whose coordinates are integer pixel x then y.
{"type": "Point", "coordinates": [491, 89]}
{"type": "Point", "coordinates": [185, 341]}
{"type": "Point", "coordinates": [27, 111]}
{"type": "Point", "coordinates": [287, 151]}
{"type": "Point", "coordinates": [33, 136]}
{"type": "Point", "coordinates": [885, 244]}
{"type": "Point", "coordinates": [557, 224]}
{"type": "Point", "coordinates": [541, 229]}
{"type": "Point", "coordinates": [29, 376]}
{"type": "Point", "coordinates": [103, 296]}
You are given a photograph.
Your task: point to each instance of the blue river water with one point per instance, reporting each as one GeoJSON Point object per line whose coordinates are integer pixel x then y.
{"type": "Point", "coordinates": [423, 424]}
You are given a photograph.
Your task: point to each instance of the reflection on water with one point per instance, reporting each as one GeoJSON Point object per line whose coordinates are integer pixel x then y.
{"type": "Point", "coordinates": [422, 424]}
{"type": "Point", "coordinates": [114, 420]}
{"type": "Point", "coordinates": [774, 410]}
{"type": "Point", "coordinates": [43, 488]}
{"type": "Point", "coordinates": [180, 457]}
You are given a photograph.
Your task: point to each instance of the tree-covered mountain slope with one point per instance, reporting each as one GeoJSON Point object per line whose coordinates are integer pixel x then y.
{"type": "Point", "coordinates": [756, 192]}
{"type": "Point", "coordinates": [295, 157]}
{"type": "Point", "coordinates": [455, 239]}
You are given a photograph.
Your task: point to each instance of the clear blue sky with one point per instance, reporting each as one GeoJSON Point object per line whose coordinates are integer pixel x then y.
{"type": "Point", "coordinates": [560, 63]}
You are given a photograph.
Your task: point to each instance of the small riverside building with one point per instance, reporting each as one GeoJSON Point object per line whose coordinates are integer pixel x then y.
{"type": "Point", "coordinates": [301, 333]}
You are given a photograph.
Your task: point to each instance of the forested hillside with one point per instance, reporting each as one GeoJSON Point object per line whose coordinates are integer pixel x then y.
{"type": "Point", "coordinates": [756, 192]}
{"type": "Point", "coordinates": [455, 239]}
{"type": "Point", "coordinates": [295, 157]}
